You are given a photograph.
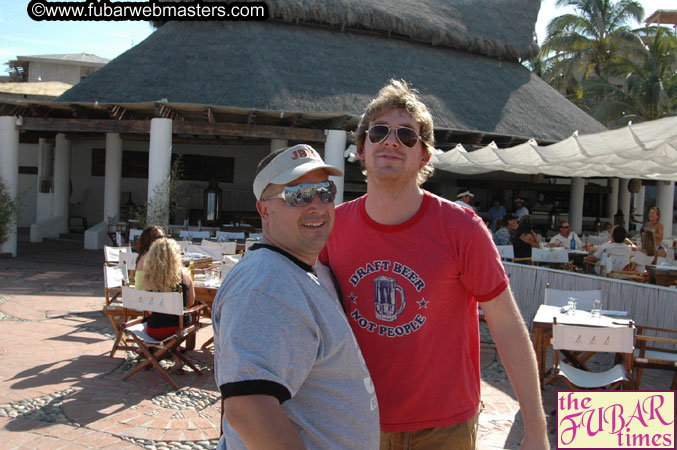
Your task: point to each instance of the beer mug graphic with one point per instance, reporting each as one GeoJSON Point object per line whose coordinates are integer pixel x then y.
{"type": "Point", "coordinates": [385, 299]}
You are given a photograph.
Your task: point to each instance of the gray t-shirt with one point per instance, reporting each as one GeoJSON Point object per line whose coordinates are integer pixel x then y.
{"type": "Point", "coordinates": [279, 330]}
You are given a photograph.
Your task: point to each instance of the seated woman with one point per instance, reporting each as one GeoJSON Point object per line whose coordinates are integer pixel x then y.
{"type": "Point", "coordinates": [647, 255]}
{"type": "Point", "coordinates": [163, 272]}
{"type": "Point", "coordinates": [148, 236]}
{"type": "Point", "coordinates": [525, 238]}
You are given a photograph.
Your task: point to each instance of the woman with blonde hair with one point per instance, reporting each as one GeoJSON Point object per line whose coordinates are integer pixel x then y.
{"type": "Point", "coordinates": [163, 272]}
{"type": "Point", "coordinates": [648, 253]}
{"type": "Point", "coordinates": [149, 235]}
{"type": "Point", "coordinates": [655, 226]}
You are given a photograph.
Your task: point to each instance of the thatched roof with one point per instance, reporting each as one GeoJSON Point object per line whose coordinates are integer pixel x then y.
{"type": "Point", "coordinates": [280, 67]}
{"type": "Point", "coordinates": [499, 28]}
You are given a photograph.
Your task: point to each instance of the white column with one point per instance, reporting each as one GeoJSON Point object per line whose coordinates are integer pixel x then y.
{"type": "Point", "coordinates": [159, 165]}
{"type": "Point", "coordinates": [276, 144]}
{"type": "Point", "coordinates": [333, 154]}
{"type": "Point", "coordinates": [62, 176]}
{"type": "Point", "coordinates": [111, 190]}
{"type": "Point", "coordinates": [9, 172]}
{"type": "Point", "coordinates": [665, 200]}
{"type": "Point", "coordinates": [624, 201]}
{"type": "Point", "coordinates": [576, 204]}
{"type": "Point", "coordinates": [639, 206]}
{"type": "Point", "coordinates": [612, 199]}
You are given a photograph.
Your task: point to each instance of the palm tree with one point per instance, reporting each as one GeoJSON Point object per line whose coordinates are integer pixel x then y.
{"type": "Point", "coordinates": [587, 41]}
{"type": "Point", "coordinates": [650, 90]}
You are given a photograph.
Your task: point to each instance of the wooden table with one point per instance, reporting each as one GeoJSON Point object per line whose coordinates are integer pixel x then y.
{"type": "Point", "coordinates": [542, 332]}
{"type": "Point", "coordinates": [206, 294]}
{"type": "Point", "coordinates": [662, 277]}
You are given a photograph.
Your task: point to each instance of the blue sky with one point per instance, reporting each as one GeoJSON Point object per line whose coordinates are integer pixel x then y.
{"type": "Point", "coordinates": [20, 35]}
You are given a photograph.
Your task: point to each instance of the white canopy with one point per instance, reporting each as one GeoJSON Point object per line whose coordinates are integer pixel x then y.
{"type": "Point", "coordinates": [646, 150]}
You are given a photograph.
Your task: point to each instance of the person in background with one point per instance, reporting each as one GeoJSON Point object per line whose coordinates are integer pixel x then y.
{"type": "Point", "coordinates": [463, 198]}
{"type": "Point", "coordinates": [164, 272]}
{"type": "Point", "coordinates": [525, 238]}
{"type": "Point", "coordinates": [617, 247]}
{"type": "Point", "coordinates": [503, 235]}
{"type": "Point", "coordinates": [648, 254]}
{"type": "Point", "coordinates": [563, 239]}
{"type": "Point", "coordinates": [520, 209]}
{"type": "Point", "coordinates": [149, 235]}
{"type": "Point", "coordinates": [655, 226]}
{"type": "Point", "coordinates": [606, 231]}
{"type": "Point", "coordinates": [285, 360]}
{"type": "Point", "coordinates": [413, 268]}
{"type": "Point", "coordinates": [497, 211]}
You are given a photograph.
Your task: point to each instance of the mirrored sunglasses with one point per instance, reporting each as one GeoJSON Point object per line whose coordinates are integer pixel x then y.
{"type": "Point", "coordinates": [303, 194]}
{"type": "Point", "coordinates": [407, 136]}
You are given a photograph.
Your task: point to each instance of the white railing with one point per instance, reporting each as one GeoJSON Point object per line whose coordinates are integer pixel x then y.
{"type": "Point", "coordinates": [646, 304]}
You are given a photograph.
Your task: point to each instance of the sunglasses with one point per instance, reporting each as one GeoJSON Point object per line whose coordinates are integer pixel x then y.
{"type": "Point", "coordinates": [565, 227]}
{"type": "Point", "coordinates": [303, 194]}
{"type": "Point", "coordinates": [379, 133]}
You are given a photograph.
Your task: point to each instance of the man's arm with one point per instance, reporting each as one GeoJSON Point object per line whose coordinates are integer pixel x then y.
{"type": "Point", "coordinates": [518, 357]}
{"type": "Point", "coordinates": [261, 422]}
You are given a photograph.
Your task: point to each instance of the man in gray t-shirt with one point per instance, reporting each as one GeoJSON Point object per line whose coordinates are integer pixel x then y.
{"type": "Point", "coordinates": [286, 361]}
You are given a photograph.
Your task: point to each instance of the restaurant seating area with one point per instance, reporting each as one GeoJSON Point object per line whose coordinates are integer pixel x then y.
{"type": "Point", "coordinates": [73, 391]}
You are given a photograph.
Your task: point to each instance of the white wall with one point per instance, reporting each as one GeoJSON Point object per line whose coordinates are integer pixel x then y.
{"type": "Point", "coordinates": [67, 73]}
{"type": "Point", "coordinates": [237, 196]}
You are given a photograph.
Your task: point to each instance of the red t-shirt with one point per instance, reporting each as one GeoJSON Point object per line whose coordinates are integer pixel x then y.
{"type": "Point", "coordinates": [411, 293]}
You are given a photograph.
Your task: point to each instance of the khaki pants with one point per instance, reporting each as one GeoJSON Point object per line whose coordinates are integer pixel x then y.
{"type": "Point", "coordinates": [461, 436]}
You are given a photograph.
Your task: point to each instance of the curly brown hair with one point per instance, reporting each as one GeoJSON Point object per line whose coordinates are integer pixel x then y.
{"type": "Point", "coordinates": [162, 267]}
{"type": "Point", "coordinates": [397, 94]}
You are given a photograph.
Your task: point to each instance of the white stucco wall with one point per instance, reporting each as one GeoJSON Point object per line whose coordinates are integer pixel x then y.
{"type": "Point", "coordinates": [88, 190]}
{"type": "Point", "coordinates": [66, 73]}
{"type": "Point", "coordinates": [237, 196]}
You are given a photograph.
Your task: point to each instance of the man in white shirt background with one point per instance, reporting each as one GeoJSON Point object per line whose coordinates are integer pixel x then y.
{"type": "Point", "coordinates": [520, 209]}
{"type": "Point", "coordinates": [463, 197]}
{"type": "Point", "coordinates": [563, 239]}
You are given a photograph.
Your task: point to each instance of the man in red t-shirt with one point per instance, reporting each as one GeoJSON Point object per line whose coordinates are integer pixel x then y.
{"type": "Point", "coordinates": [412, 268]}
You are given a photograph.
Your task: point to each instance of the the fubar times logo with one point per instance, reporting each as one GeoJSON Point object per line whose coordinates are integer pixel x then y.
{"type": "Point", "coordinates": [616, 419]}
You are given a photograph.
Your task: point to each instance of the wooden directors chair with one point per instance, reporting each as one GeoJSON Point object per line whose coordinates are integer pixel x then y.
{"type": "Point", "coordinates": [660, 354]}
{"type": "Point", "coordinates": [619, 340]}
{"type": "Point", "coordinates": [151, 351]}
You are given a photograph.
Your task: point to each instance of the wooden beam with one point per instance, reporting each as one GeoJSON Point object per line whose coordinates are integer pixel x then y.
{"type": "Point", "coordinates": [235, 142]}
{"type": "Point", "coordinates": [257, 131]}
{"type": "Point", "coordinates": [85, 125]}
{"type": "Point", "coordinates": [195, 128]}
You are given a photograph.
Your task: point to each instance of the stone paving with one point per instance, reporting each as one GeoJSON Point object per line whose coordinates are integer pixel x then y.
{"type": "Point", "coordinates": [59, 388]}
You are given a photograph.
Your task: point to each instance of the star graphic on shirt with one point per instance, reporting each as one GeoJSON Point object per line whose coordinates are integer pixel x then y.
{"type": "Point", "coordinates": [422, 304]}
{"type": "Point", "coordinates": [353, 298]}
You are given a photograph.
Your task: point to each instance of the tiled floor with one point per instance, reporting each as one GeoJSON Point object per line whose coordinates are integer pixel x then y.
{"type": "Point", "coordinates": [59, 388]}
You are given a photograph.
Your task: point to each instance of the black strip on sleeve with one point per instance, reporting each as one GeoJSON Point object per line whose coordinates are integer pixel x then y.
{"type": "Point", "coordinates": [255, 387]}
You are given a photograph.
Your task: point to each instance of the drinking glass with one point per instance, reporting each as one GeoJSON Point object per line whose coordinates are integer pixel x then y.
{"type": "Point", "coordinates": [572, 303]}
{"type": "Point", "coordinates": [596, 310]}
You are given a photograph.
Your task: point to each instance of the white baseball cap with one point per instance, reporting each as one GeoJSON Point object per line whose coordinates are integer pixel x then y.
{"type": "Point", "coordinates": [289, 165]}
{"type": "Point", "coordinates": [464, 193]}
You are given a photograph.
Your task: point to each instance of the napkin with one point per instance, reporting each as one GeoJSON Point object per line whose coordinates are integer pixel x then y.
{"type": "Point", "coordinates": [194, 255]}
